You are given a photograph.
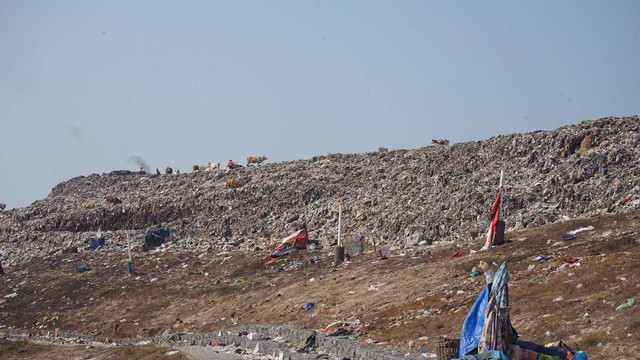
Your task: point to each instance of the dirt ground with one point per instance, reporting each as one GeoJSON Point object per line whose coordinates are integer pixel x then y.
{"type": "Point", "coordinates": [405, 302]}
{"type": "Point", "coordinates": [22, 350]}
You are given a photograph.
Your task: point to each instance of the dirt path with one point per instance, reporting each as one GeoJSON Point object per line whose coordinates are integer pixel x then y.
{"type": "Point", "coordinates": [207, 353]}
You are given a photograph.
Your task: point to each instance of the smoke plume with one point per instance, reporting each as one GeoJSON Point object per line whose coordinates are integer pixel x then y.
{"type": "Point", "coordinates": [138, 160]}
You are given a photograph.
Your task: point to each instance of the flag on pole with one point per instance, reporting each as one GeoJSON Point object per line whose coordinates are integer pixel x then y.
{"type": "Point", "coordinates": [495, 216]}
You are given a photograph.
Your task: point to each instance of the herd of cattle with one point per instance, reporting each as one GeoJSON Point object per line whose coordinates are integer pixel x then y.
{"type": "Point", "coordinates": [231, 183]}
{"type": "Point", "coordinates": [216, 165]}
{"type": "Point", "coordinates": [212, 166]}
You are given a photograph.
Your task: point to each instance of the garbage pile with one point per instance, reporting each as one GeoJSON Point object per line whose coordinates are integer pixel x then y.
{"type": "Point", "coordinates": [405, 198]}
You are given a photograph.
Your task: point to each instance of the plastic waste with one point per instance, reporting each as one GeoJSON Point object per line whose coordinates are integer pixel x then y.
{"type": "Point", "coordinates": [427, 354]}
{"type": "Point", "coordinates": [580, 355]}
{"type": "Point", "coordinates": [489, 276]}
{"type": "Point", "coordinates": [308, 307]}
{"type": "Point", "coordinates": [626, 305]}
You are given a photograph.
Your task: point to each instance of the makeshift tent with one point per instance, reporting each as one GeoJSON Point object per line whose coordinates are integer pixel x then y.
{"type": "Point", "coordinates": [294, 242]}
{"type": "Point", "coordinates": [487, 332]}
{"type": "Point", "coordinates": [498, 333]}
{"type": "Point", "coordinates": [157, 237]}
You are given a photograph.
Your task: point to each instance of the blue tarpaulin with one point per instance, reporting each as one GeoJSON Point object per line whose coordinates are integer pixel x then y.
{"type": "Point", "coordinates": [95, 243]}
{"type": "Point", "coordinates": [473, 324]}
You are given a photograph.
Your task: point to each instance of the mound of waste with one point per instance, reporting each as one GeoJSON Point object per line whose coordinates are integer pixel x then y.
{"type": "Point", "coordinates": [402, 198]}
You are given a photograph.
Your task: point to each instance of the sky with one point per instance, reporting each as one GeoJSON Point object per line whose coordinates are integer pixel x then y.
{"type": "Point", "coordinates": [95, 86]}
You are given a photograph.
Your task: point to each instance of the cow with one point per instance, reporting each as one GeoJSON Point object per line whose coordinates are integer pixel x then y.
{"type": "Point", "coordinates": [112, 199]}
{"type": "Point", "coordinates": [256, 160]}
{"type": "Point", "coordinates": [207, 168]}
{"type": "Point", "coordinates": [233, 183]}
{"type": "Point", "coordinates": [89, 205]}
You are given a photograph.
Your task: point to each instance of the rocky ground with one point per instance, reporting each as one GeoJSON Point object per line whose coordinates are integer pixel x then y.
{"type": "Point", "coordinates": [423, 205]}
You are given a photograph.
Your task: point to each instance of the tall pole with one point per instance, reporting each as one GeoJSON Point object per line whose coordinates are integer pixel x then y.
{"type": "Point", "coordinates": [502, 190]}
{"type": "Point", "coordinates": [128, 245]}
{"type": "Point", "coordinates": [131, 269]}
{"type": "Point", "coordinates": [339, 251]}
{"type": "Point", "coordinates": [339, 224]}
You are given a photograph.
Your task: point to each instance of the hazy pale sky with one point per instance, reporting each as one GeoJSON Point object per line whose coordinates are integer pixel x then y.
{"type": "Point", "coordinates": [86, 86]}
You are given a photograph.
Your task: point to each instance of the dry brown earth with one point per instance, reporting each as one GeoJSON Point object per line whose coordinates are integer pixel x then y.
{"type": "Point", "coordinates": [416, 298]}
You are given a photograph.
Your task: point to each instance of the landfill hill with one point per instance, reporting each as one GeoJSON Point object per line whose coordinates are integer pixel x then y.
{"type": "Point", "coordinates": [404, 198]}
{"type": "Point", "coordinates": [423, 205]}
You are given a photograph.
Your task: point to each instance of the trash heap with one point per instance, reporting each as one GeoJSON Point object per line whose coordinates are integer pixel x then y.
{"type": "Point", "coordinates": [405, 198]}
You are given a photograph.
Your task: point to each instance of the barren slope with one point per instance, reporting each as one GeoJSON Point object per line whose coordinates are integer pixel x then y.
{"type": "Point", "coordinates": [405, 302]}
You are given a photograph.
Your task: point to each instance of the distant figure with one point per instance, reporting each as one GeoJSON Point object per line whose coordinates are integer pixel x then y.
{"type": "Point", "coordinates": [256, 160]}
{"type": "Point", "coordinates": [444, 142]}
{"type": "Point", "coordinates": [178, 172]}
{"type": "Point", "coordinates": [168, 171]}
{"type": "Point", "coordinates": [157, 171]}
{"type": "Point", "coordinates": [141, 172]}
{"type": "Point", "coordinates": [232, 165]}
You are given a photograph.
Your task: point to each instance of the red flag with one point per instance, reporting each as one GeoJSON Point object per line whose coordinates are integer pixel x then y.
{"type": "Point", "coordinates": [495, 216]}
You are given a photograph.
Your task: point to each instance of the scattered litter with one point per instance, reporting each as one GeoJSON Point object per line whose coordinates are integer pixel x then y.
{"type": "Point", "coordinates": [539, 259]}
{"type": "Point", "coordinates": [574, 233]}
{"type": "Point", "coordinates": [427, 354]}
{"type": "Point", "coordinates": [12, 295]}
{"type": "Point", "coordinates": [588, 228]}
{"type": "Point", "coordinates": [308, 307]}
{"type": "Point", "coordinates": [384, 253]}
{"type": "Point", "coordinates": [572, 260]}
{"type": "Point", "coordinates": [457, 254]}
{"type": "Point", "coordinates": [531, 267]}
{"type": "Point", "coordinates": [373, 287]}
{"type": "Point", "coordinates": [626, 305]}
